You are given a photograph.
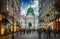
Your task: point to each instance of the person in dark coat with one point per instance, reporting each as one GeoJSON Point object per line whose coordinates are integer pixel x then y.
{"type": "Point", "coordinates": [55, 32]}
{"type": "Point", "coordinates": [48, 32]}
{"type": "Point", "coordinates": [59, 31]}
{"type": "Point", "coordinates": [39, 32]}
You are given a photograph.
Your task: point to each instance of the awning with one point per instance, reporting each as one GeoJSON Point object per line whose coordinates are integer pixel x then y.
{"type": "Point", "coordinates": [5, 21]}
{"type": "Point", "coordinates": [9, 18]}
{"type": "Point", "coordinates": [50, 24]}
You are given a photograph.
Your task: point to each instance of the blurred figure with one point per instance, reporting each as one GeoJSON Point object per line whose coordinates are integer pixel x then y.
{"type": "Point", "coordinates": [59, 32]}
{"type": "Point", "coordinates": [23, 30]}
{"type": "Point", "coordinates": [44, 30]}
{"type": "Point", "coordinates": [39, 32]}
{"type": "Point", "coordinates": [48, 32]}
{"type": "Point", "coordinates": [28, 31]}
{"type": "Point", "coordinates": [55, 32]}
{"type": "Point", "coordinates": [20, 31]}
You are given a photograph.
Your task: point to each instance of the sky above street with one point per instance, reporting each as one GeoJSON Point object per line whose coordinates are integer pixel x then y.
{"type": "Point", "coordinates": [25, 4]}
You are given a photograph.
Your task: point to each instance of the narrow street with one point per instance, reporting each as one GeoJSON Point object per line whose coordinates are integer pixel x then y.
{"type": "Point", "coordinates": [35, 36]}
{"type": "Point", "coordinates": [27, 36]}
{"type": "Point", "coordinates": [29, 19]}
{"type": "Point", "coordinates": [30, 36]}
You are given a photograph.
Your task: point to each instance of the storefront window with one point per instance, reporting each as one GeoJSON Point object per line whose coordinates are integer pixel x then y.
{"type": "Point", "coordinates": [12, 28]}
{"type": "Point", "coordinates": [59, 19]}
{"type": "Point", "coordinates": [56, 20]}
{"type": "Point", "coordinates": [2, 29]}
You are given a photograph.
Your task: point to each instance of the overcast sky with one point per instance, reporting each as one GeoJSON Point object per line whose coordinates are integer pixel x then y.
{"type": "Point", "coordinates": [25, 4]}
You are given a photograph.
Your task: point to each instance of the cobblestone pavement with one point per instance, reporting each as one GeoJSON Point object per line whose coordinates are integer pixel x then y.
{"type": "Point", "coordinates": [33, 35]}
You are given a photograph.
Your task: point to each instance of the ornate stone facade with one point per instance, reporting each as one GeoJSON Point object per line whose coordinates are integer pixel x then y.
{"type": "Point", "coordinates": [30, 20]}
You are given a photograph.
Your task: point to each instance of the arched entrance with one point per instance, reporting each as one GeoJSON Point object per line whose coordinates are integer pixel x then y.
{"type": "Point", "coordinates": [29, 24]}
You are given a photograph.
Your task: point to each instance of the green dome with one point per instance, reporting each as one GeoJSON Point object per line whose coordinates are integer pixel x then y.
{"type": "Point", "coordinates": [30, 10]}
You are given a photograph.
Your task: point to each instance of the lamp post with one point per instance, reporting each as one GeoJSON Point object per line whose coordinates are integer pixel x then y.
{"type": "Point", "coordinates": [13, 20]}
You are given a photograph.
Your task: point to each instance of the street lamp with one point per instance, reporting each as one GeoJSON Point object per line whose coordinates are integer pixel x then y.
{"type": "Point", "coordinates": [13, 20]}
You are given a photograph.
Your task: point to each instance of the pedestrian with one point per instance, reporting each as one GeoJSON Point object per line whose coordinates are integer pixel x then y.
{"type": "Point", "coordinates": [59, 31]}
{"type": "Point", "coordinates": [39, 32]}
{"type": "Point", "coordinates": [48, 32]}
{"type": "Point", "coordinates": [45, 33]}
{"type": "Point", "coordinates": [55, 32]}
{"type": "Point", "coordinates": [20, 31]}
{"type": "Point", "coordinates": [44, 30]}
{"type": "Point", "coordinates": [24, 31]}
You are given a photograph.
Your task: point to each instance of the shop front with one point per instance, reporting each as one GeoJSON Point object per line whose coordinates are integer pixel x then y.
{"type": "Point", "coordinates": [52, 25]}
{"type": "Point", "coordinates": [55, 24]}
{"type": "Point", "coordinates": [16, 28]}
{"type": "Point", "coordinates": [3, 23]}
{"type": "Point", "coordinates": [57, 21]}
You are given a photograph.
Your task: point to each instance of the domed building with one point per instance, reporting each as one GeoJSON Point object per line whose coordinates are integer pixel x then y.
{"type": "Point", "coordinates": [30, 20]}
{"type": "Point", "coordinates": [30, 11]}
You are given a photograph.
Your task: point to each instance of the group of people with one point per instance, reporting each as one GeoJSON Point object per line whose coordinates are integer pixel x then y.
{"type": "Point", "coordinates": [48, 32]}
{"type": "Point", "coordinates": [26, 31]}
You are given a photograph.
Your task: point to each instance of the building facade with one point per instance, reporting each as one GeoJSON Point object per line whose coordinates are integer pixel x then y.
{"type": "Point", "coordinates": [47, 13]}
{"type": "Point", "coordinates": [9, 15]}
{"type": "Point", "coordinates": [30, 20]}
